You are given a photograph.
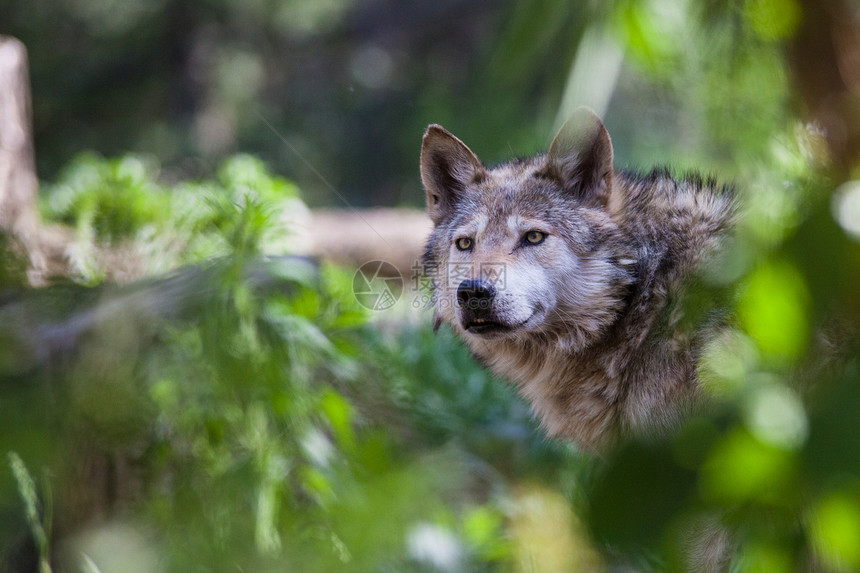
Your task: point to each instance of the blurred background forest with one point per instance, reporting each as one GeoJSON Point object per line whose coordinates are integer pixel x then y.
{"type": "Point", "coordinates": [180, 395]}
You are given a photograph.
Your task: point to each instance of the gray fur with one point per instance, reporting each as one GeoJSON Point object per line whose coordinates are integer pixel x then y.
{"type": "Point", "coordinates": [585, 323]}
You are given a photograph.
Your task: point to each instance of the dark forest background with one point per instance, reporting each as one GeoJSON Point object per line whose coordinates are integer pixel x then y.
{"type": "Point", "coordinates": [186, 395]}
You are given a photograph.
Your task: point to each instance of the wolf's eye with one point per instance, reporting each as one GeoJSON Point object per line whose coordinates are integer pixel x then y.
{"type": "Point", "coordinates": [534, 238]}
{"type": "Point", "coordinates": [464, 243]}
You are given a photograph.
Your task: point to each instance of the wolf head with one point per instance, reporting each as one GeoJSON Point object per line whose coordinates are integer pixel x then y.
{"type": "Point", "coordinates": [528, 248]}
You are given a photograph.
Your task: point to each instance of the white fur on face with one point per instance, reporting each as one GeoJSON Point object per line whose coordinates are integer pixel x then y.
{"type": "Point", "coordinates": [526, 296]}
{"type": "Point", "coordinates": [524, 285]}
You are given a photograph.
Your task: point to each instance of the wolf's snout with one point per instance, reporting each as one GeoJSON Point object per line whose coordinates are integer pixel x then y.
{"type": "Point", "coordinates": [475, 299]}
{"type": "Point", "coordinates": [475, 294]}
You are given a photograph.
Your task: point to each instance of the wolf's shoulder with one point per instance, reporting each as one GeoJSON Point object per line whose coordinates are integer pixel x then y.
{"type": "Point", "coordinates": [677, 221]}
{"type": "Point", "coordinates": [663, 202]}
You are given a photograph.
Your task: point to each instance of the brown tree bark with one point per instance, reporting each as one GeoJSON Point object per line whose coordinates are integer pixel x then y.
{"type": "Point", "coordinates": [825, 61]}
{"type": "Point", "coordinates": [18, 182]}
{"type": "Point", "coordinates": [19, 219]}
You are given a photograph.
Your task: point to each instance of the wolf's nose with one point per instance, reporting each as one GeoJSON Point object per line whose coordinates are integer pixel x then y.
{"type": "Point", "coordinates": [475, 293]}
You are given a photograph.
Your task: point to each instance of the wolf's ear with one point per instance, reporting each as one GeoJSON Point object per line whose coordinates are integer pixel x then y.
{"type": "Point", "coordinates": [580, 156]}
{"type": "Point", "coordinates": [448, 167]}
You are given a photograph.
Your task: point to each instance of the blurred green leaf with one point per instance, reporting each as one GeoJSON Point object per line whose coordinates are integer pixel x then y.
{"type": "Point", "coordinates": [773, 310]}
{"type": "Point", "coordinates": [483, 528]}
{"type": "Point", "coordinates": [773, 19]}
{"type": "Point", "coordinates": [741, 469]}
{"type": "Point", "coordinates": [835, 529]}
{"type": "Point", "coordinates": [339, 414]}
{"type": "Point", "coordinates": [764, 558]}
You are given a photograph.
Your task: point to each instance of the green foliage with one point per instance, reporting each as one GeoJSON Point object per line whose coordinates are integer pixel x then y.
{"type": "Point", "coordinates": [248, 425]}
{"type": "Point", "coordinates": [33, 509]}
{"type": "Point", "coordinates": [13, 263]}
{"type": "Point", "coordinates": [110, 199]}
{"type": "Point", "coordinates": [120, 204]}
{"type": "Point", "coordinates": [272, 426]}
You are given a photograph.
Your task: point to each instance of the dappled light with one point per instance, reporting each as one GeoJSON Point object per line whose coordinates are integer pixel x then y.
{"type": "Point", "coordinates": [205, 367]}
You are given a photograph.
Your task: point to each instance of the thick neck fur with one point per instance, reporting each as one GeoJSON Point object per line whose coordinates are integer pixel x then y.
{"type": "Point", "coordinates": [623, 367]}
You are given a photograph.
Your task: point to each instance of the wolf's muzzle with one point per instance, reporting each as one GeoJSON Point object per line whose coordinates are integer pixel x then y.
{"type": "Point", "coordinates": [475, 298]}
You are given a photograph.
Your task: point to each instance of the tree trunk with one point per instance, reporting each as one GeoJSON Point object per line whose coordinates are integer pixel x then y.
{"type": "Point", "coordinates": [825, 61]}
{"type": "Point", "coordinates": [19, 219]}
{"type": "Point", "coordinates": [18, 182]}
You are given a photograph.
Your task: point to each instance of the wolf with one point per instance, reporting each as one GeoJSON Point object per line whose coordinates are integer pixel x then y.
{"type": "Point", "coordinates": [564, 276]}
